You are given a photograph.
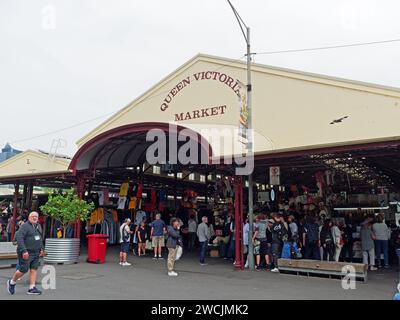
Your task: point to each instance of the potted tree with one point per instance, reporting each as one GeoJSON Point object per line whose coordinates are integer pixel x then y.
{"type": "Point", "coordinates": [65, 208]}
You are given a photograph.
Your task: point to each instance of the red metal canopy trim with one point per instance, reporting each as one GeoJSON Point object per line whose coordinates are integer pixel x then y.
{"type": "Point", "coordinates": [132, 128]}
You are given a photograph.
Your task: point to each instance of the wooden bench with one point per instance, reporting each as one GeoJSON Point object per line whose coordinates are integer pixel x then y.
{"type": "Point", "coordinates": [8, 251]}
{"type": "Point", "coordinates": [328, 268]}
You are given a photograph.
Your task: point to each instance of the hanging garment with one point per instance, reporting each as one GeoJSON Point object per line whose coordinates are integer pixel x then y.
{"type": "Point", "coordinates": [106, 195]}
{"type": "Point", "coordinates": [163, 195]}
{"type": "Point", "coordinates": [133, 191]}
{"type": "Point", "coordinates": [121, 203]}
{"type": "Point", "coordinates": [123, 191]}
{"type": "Point", "coordinates": [132, 203]}
{"type": "Point", "coordinates": [114, 215]}
{"type": "Point", "coordinates": [97, 215]}
{"type": "Point", "coordinates": [139, 217]}
{"type": "Point", "coordinates": [140, 190]}
{"type": "Point", "coordinates": [101, 198]}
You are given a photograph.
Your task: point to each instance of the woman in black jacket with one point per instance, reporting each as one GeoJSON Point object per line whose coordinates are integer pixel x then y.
{"type": "Point", "coordinates": [327, 241]}
{"type": "Point", "coordinates": [174, 240]}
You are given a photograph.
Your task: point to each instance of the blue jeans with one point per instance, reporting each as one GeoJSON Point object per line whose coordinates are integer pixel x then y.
{"type": "Point", "coordinates": [382, 245]}
{"type": "Point", "coordinates": [203, 250]}
{"type": "Point", "coordinates": [231, 249]}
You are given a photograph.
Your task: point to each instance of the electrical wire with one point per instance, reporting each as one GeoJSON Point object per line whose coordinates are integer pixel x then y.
{"type": "Point", "coordinates": [110, 113]}
{"type": "Point", "coordinates": [328, 47]}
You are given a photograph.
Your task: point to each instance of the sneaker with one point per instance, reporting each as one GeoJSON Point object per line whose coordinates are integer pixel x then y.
{"type": "Point", "coordinates": [155, 258]}
{"type": "Point", "coordinates": [10, 287]}
{"type": "Point", "coordinates": [204, 264]}
{"type": "Point", "coordinates": [275, 270]}
{"type": "Point", "coordinates": [34, 291]}
{"type": "Point", "coordinates": [161, 258]}
{"type": "Point", "coordinates": [372, 268]}
{"type": "Point", "coordinates": [120, 263]}
{"type": "Point", "coordinates": [125, 264]}
{"type": "Point", "coordinates": [172, 274]}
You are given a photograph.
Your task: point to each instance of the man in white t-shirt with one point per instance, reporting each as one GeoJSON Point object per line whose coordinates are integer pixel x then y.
{"type": "Point", "coordinates": [125, 237]}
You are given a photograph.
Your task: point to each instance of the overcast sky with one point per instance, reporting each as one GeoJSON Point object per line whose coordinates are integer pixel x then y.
{"type": "Point", "coordinates": [63, 62]}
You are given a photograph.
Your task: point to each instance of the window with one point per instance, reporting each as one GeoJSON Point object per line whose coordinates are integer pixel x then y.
{"type": "Point", "coordinates": [171, 175]}
{"type": "Point", "coordinates": [191, 176]}
{"type": "Point", "coordinates": [179, 175]}
{"type": "Point", "coordinates": [156, 169]}
{"type": "Point", "coordinates": [202, 178]}
{"type": "Point", "coordinates": [210, 177]}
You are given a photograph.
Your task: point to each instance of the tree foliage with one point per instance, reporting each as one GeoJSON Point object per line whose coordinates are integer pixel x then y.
{"type": "Point", "coordinates": [67, 208]}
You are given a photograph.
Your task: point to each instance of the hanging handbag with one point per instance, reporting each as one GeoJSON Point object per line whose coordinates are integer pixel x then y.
{"type": "Point", "coordinates": [179, 251]}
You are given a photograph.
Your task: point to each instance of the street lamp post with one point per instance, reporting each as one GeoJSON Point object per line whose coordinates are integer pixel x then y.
{"type": "Point", "coordinates": [249, 133]}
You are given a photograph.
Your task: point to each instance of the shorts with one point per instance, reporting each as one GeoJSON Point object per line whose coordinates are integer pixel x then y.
{"type": "Point", "coordinates": [125, 247]}
{"type": "Point", "coordinates": [265, 248]}
{"type": "Point", "coordinates": [158, 241]}
{"type": "Point", "coordinates": [31, 264]}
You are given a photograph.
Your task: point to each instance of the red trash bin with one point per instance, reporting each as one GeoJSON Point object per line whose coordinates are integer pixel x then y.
{"type": "Point", "coordinates": [97, 244]}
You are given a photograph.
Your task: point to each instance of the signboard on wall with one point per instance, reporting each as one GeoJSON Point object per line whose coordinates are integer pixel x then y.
{"type": "Point", "coordinates": [275, 176]}
{"type": "Point", "coordinates": [263, 197]}
{"type": "Point", "coordinates": [243, 114]}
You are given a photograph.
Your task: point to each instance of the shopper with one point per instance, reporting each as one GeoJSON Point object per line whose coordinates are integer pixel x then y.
{"type": "Point", "coordinates": [9, 229]}
{"type": "Point", "coordinates": [367, 245]}
{"type": "Point", "coordinates": [311, 240]}
{"type": "Point", "coordinates": [327, 242]}
{"type": "Point", "coordinates": [158, 229]}
{"type": "Point", "coordinates": [231, 247]}
{"type": "Point", "coordinates": [395, 239]}
{"type": "Point", "coordinates": [174, 239]}
{"type": "Point", "coordinates": [192, 230]}
{"type": "Point", "coordinates": [279, 235]}
{"type": "Point", "coordinates": [397, 294]}
{"type": "Point", "coordinates": [203, 234]}
{"type": "Point", "coordinates": [347, 250]}
{"type": "Point", "coordinates": [125, 239]}
{"type": "Point", "coordinates": [264, 236]}
{"type": "Point", "coordinates": [337, 239]}
{"type": "Point", "coordinates": [382, 234]}
{"type": "Point", "coordinates": [246, 231]}
{"type": "Point", "coordinates": [29, 249]}
{"type": "Point", "coordinates": [294, 229]}
{"type": "Point", "coordinates": [142, 237]}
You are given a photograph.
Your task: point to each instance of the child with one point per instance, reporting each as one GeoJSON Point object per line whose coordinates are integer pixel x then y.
{"type": "Point", "coordinates": [142, 237]}
{"type": "Point", "coordinates": [397, 295]}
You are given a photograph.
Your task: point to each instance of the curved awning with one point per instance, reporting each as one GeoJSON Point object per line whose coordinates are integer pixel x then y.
{"type": "Point", "coordinates": [126, 146]}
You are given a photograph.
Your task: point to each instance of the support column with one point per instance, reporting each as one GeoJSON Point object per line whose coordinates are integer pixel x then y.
{"type": "Point", "coordinates": [14, 217]}
{"type": "Point", "coordinates": [24, 196]}
{"type": "Point", "coordinates": [239, 264]}
{"type": "Point", "coordinates": [29, 196]}
{"type": "Point", "coordinates": [80, 190]}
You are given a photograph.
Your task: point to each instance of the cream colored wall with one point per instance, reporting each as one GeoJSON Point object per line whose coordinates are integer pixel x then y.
{"type": "Point", "coordinates": [290, 110]}
{"type": "Point", "coordinates": [31, 162]}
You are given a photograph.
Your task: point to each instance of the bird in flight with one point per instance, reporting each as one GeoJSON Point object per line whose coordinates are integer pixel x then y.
{"type": "Point", "coordinates": [339, 120]}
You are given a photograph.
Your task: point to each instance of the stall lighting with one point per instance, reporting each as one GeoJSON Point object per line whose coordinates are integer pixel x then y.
{"type": "Point", "coordinates": [355, 209]}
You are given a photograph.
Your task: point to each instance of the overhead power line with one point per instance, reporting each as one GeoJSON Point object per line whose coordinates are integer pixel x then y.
{"type": "Point", "coordinates": [330, 47]}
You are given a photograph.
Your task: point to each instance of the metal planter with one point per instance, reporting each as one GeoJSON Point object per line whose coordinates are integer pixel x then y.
{"type": "Point", "coordinates": [62, 250]}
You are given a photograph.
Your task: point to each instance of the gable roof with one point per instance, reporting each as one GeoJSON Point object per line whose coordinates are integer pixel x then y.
{"type": "Point", "coordinates": [31, 162]}
{"type": "Point", "coordinates": [301, 104]}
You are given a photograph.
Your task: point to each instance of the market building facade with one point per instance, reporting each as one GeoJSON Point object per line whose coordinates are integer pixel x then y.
{"type": "Point", "coordinates": [317, 139]}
